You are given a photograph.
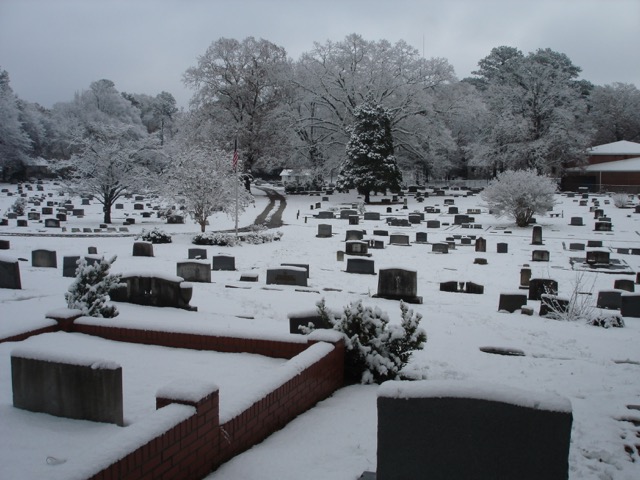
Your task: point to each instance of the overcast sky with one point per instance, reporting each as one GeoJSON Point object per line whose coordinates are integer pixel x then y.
{"type": "Point", "coordinates": [54, 48]}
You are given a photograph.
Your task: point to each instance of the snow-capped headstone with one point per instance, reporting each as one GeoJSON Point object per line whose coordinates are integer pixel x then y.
{"type": "Point", "coordinates": [471, 430]}
{"type": "Point", "coordinates": [44, 258]}
{"type": "Point", "coordinates": [398, 284]}
{"type": "Point", "coordinates": [9, 273]}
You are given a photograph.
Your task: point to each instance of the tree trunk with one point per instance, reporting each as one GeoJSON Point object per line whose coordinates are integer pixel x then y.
{"type": "Point", "coordinates": [203, 226]}
{"type": "Point", "coordinates": [367, 197]}
{"type": "Point", "coordinates": [107, 212]}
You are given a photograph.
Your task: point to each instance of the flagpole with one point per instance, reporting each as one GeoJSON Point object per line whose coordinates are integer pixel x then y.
{"type": "Point", "coordinates": [235, 174]}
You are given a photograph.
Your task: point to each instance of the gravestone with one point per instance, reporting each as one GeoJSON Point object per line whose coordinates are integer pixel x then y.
{"type": "Point", "coordinates": [356, 247]}
{"type": "Point", "coordinates": [421, 237]}
{"type": "Point", "coordinates": [10, 273]}
{"type": "Point", "coordinates": [399, 239]}
{"type": "Point", "coordinates": [525, 277]}
{"type": "Point", "coordinates": [598, 257]}
{"type": "Point", "coordinates": [597, 213]}
{"type": "Point", "coordinates": [172, 219]}
{"type": "Point", "coordinates": [223, 262]}
{"type": "Point", "coordinates": [624, 284]}
{"type": "Point", "coordinates": [73, 387]}
{"type": "Point", "coordinates": [398, 284]}
{"type": "Point", "coordinates": [194, 271]}
{"type": "Point", "coordinates": [462, 219]}
{"type": "Point", "coordinates": [576, 246]}
{"type": "Point", "coordinates": [52, 223]}
{"type": "Point", "coordinates": [360, 265]}
{"type": "Point", "coordinates": [609, 299]}
{"type": "Point", "coordinates": [577, 221]}
{"type": "Point", "coordinates": [630, 304]}
{"type": "Point", "coordinates": [22, 223]}
{"type": "Point", "coordinates": [441, 247]}
{"type": "Point", "coordinates": [303, 319]}
{"type": "Point", "coordinates": [119, 206]}
{"type": "Point", "coordinates": [340, 256]}
{"type": "Point", "coordinates": [603, 227]}
{"type": "Point", "coordinates": [473, 288]}
{"type": "Point", "coordinates": [249, 277]}
{"type": "Point", "coordinates": [433, 224]}
{"type": "Point", "coordinates": [300, 265]}
{"type": "Point", "coordinates": [540, 286]}
{"type": "Point", "coordinates": [480, 261]}
{"type": "Point", "coordinates": [61, 217]}
{"type": "Point", "coordinates": [143, 249]}
{"type": "Point", "coordinates": [455, 430]}
{"type": "Point", "coordinates": [86, 201]}
{"type": "Point", "coordinates": [453, 210]}
{"type": "Point", "coordinates": [296, 276]}
{"type": "Point", "coordinates": [69, 266]}
{"type": "Point", "coordinates": [536, 235]}
{"type": "Point", "coordinates": [34, 216]}
{"type": "Point", "coordinates": [540, 256]}
{"type": "Point", "coordinates": [481, 245]}
{"type": "Point", "coordinates": [5, 244]}
{"type": "Point", "coordinates": [325, 215]}
{"type": "Point", "coordinates": [47, 211]}
{"type": "Point", "coordinates": [510, 302]}
{"type": "Point", "coordinates": [372, 215]}
{"type": "Point", "coordinates": [138, 206]}
{"type": "Point", "coordinates": [353, 235]}
{"type": "Point", "coordinates": [381, 233]}
{"type": "Point", "coordinates": [324, 231]}
{"type": "Point", "coordinates": [354, 220]}
{"type": "Point", "coordinates": [465, 241]}
{"type": "Point", "coordinates": [44, 258]}
{"type": "Point", "coordinates": [197, 253]}
{"type": "Point", "coordinates": [160, 290]}
{"type": "Point", "coordinates": [414, 218]}
{"type": "Point", "coordinates": [502, 247]}
{"type": "Point", "coordinates": [78, 212]}
{"type": "Point", "coordinates": [450, 286]}
{"type": "Point", "coordinates": [594, 243]}
{"type": "Point", "coordinates": [345, 214]}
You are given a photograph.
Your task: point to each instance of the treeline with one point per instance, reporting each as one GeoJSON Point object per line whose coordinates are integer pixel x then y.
{"type": "Point", "coordinates": [517, 110]}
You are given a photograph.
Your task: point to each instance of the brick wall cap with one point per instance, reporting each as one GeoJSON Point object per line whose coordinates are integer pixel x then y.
{"type": "Point", "coordinates": [187, 390]}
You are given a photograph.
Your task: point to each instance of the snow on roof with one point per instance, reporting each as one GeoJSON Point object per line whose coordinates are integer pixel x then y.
{"type": "Point", "coordinates": [623, 147]}
{"type": "Point", "coordinates": [475, 390]}
{"type": "Point", "coordinates": [286, 172]}
{"type": "Point", "coordinates": [626, 165]}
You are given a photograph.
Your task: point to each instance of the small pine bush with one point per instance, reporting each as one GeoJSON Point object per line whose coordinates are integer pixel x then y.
{"type": "Point", "coordinates": [19, 206]}
{"type": "Point", "coordinates": [376, 351]}
{"type": "Point", "coordinates": [90, 290]}
{"type": "Point", "coordinates": [155, 236]}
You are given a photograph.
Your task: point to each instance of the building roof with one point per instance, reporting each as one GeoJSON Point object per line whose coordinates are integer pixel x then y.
{"type": "Point", "coordinates": [626, 165]}
{"type": "Point", "coordinates": [623, 147]}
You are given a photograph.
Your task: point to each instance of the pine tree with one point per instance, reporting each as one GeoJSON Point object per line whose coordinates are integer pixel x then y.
{"type": "Point", "coordinates": [370, 165]}
{"type": "Point", "coordinates": [90, 290]}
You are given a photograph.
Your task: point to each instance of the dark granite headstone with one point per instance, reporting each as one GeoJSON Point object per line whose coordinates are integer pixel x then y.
{"type": "Point", "coordinates": [510, 302]}
{"type": "Point", "coordinates": [353, 235]}
{"type": "Point", "coordinates": [194, 271]}
{"type": "Point", "coordinates": [540, 286]}
{"type": "Point", "coordinates": [223, 262]}
{"type": "Point", "coordinates": [143, 249]}
{"type": "Point", "coordinates": [441, 247]}
{"type": "Point", "coordinates": [197, 253]}
{"type": "Point", "coordinates": [10, 273]}
{"type": "Point", "coordinates": [69, 266]}
{"type": "Point", "coordinates": [453, 430]}
{"type": "Point", "coordinates": [502, 247]}
{"type": "Point", "coordinates": [44, 258]}
{"type": "Point", "coordinates": [398, 284]}
{"type": "Point", "coordinates": [287, 276]}
{"type": "Point", "coordinates": [481, 245]}
{"type": "Point", "coordinates": [610, 299]}
{"type": "Point", "coordinates": [624, 284]}
{"type": "Point", "coordinates": [630, 304]}
{"type": "Point", "coordinates": [5, 244]}
{"type": "Point", "coordinates": [536, 235]}
{"type": "Point", "coordinates": [360, 265]}
{"type": "Point", "coordinates": [540, 256]}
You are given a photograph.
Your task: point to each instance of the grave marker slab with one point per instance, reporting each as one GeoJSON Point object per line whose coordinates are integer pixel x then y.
{"type": "Point", "coordinates": [296, 276]}
{"type": "Point", "coordinates": [363, 266]}
{"type": "Point", "coordinates": [194, 271]}
{"type": "Point", "coordinates": [44, 258]}
{"type": "Point", "coordinates": [398, 284]}
{"type": "Point", "coordinates": [223, 262]}
{"type": "Point", "coordinates": [10, 273]}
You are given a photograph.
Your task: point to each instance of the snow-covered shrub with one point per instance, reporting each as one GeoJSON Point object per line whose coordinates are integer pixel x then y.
{"type": "Point", "coordinates": [607, 321]}
{"type": "Point", "coordinates": [520, 194]}
{"type": "Point", "coordinates": [258, 234]}
{"type": "Point", "coordinates": [216, 238]}
{"type": "Point", "coordinates": [19, 206]}
{"type": "Point", "coordinates": [155, 236]}
{"type": "Point", "coordinates": [89, 292]}
{"type": "Point", "coordinates": [621, 200]}
{"type": "Point", "coordinates": [376, 351]}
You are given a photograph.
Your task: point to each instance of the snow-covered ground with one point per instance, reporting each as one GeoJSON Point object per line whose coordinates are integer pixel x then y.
{"type": "Point", "coordinates": [597, 369]}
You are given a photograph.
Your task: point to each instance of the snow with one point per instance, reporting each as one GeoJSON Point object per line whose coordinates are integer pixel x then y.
{"type": "Point", "coordinates": [476, 390]}
{"type": "Point", "coordinates": [63, 313]}
{"type": "Point", "coordinates": [64, 357]}
{"type": "Point", "coordinates": [596, 369]}
{"type": "Point", "coordinates": [187, 390]}
{"type": "Point", "coordinates": [622, 147]}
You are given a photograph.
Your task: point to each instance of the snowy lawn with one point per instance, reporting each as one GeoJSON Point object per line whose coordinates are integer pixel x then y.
{"type": "Point", "coordinates": [596, 369]}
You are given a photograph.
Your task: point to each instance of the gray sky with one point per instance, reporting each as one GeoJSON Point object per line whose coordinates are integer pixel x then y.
{"type": "Point", "coordinates": [54, 48]}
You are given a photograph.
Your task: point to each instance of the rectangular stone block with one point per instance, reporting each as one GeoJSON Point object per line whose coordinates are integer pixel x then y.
{"type": "Point", "coordinates": [64, 386]}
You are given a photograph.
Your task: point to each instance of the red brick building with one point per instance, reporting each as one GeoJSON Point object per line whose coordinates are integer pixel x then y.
{"type": "Point", "coordinates": [613, 167]}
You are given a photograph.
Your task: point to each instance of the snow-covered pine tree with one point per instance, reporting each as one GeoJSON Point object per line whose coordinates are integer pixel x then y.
{"type": "Point", "coordinates": [376, 351]}
{"type": "Point", "coordinates": [370, 165]}
{"type": "Point", "coordinates": [89, 292]}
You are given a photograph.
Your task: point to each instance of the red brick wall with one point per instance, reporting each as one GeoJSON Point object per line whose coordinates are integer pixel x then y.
{"type": "Point", "coordinates": [199, 444]}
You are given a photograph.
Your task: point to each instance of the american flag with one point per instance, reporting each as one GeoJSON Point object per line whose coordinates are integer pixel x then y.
{"type": "Point", "coordinates": [235, 155]}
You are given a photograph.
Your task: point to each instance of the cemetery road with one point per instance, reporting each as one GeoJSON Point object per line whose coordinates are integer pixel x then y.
{"type": "Point", "coordinates": [270, 218]}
